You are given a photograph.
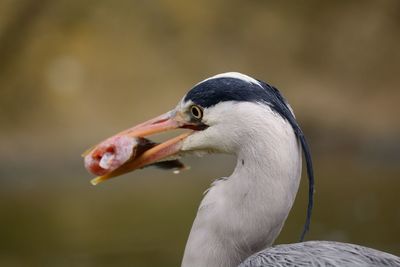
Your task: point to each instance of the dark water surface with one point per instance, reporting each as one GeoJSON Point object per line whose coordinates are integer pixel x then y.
{"type": "Point", "coordinates": [143, 219]}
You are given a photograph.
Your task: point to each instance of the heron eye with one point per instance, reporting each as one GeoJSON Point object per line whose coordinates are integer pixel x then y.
{"type": "Point", "coordinates": [196, 112]}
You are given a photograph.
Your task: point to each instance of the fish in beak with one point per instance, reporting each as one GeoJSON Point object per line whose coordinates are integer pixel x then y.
{"type": "Point", "coordinates": [130, 150]}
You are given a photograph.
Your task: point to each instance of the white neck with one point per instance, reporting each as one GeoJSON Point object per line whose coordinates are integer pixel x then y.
{"type": "Point", "coordinates": [245, 212]}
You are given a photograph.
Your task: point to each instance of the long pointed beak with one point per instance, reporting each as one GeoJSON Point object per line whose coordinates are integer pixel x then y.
{"type": "Point", "coordinates": [129, 150]}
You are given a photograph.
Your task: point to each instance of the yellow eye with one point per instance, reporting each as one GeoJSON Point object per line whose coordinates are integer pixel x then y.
{"type": "Point", "coordinates": [196, 112]}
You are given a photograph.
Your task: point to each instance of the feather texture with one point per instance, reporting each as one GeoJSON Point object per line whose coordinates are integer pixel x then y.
{"type": "Point", "coordinates": [321, 254]}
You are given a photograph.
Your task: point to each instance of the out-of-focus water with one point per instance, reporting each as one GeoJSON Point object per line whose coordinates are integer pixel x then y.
{"type": "Point", "coordinates": [143, 219]}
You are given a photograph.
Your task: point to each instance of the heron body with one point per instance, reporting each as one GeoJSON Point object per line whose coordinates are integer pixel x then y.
{"type": "Point", "coordinates": [245, 212]}
{"type": "Point", "coordinates": [241, 215]}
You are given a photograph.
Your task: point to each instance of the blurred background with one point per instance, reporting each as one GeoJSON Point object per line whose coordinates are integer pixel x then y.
{"type": "Point", "coordinates": [75, 72]}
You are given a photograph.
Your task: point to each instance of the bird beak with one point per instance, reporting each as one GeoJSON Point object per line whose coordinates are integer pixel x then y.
{"type": "Point", "coordinates": [126, 151]}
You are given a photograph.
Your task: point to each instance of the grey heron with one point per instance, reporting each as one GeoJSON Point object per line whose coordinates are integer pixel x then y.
{"type": "Point", "coordinates": [241, 215]}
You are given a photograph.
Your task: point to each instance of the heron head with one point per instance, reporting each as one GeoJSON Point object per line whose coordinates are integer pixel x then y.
{"type": "Point", "coordinates": [215, 113]}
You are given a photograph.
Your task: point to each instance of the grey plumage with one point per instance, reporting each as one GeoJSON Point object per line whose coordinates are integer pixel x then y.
{"type": "Point", "coordinates": [320, 254]}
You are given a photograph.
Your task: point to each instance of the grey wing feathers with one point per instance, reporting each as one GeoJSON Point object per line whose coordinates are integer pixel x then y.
{"type": "Point", "coordinates": [321, 254]}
